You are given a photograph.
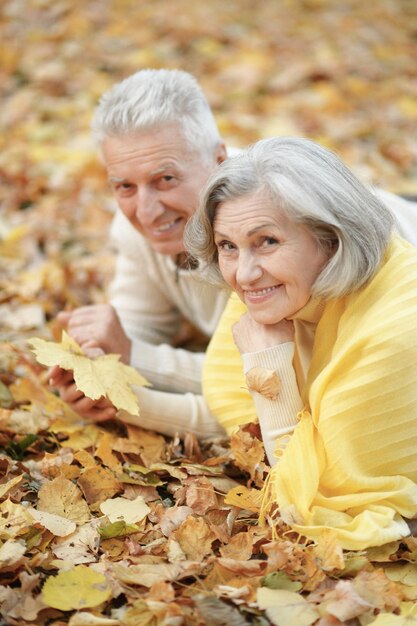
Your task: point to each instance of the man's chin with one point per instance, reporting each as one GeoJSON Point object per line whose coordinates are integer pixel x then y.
{"type": "Point", "coordinates": [170, 248]}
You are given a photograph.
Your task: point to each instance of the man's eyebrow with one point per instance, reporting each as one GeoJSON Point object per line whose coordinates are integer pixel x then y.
{"type": "Point", "coordinates": [115, 179]}
{"type": "Point", "coordinates": [163, 168]}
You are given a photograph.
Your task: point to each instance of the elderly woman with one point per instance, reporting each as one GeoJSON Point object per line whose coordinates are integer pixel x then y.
{"type": "Point", "coordinates": [327, 305]}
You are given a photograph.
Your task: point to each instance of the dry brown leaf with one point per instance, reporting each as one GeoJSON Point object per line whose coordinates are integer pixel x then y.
{"type": "Point", "coordinates": [344, 602]}
{"type": "Point", "coordinates": [264, 381]}
{"type": "Point", "coordinates": [200, 495]}
{"type": "Point", "coordinates": [98, 484]}
{"type": "Point", "coordinates": [244, 568]}
{"type": "Point", "coordinates": [239, 547]}
{"type": "Point", "coordinates": [195, 538]}
{"type": "Point", "coordinates": [61, 497]}
{"type": "Point", "coordinates": [104, 451]}
{"type": "Point", "coordinates": [248, 453]}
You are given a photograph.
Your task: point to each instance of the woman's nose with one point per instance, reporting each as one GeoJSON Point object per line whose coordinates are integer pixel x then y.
{"type": "Point", "coordinates": [249, 270]}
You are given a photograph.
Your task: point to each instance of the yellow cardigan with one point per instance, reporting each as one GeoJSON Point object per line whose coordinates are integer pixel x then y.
{"type": "Point", "coordinates": [351, 462]}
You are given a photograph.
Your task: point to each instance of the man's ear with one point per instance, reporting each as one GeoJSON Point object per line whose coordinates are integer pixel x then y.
{"type": "Point", "coordinates": [221, 153]}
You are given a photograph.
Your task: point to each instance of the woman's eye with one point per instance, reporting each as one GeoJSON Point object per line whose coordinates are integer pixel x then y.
{"type": "Point", "coordinates": [226, 246]}
{"type": "Point", "coordinates": [268, 241]}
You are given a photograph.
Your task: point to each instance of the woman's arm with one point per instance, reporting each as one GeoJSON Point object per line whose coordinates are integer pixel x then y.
{"type": "Point", "coordinates": [270, 347]}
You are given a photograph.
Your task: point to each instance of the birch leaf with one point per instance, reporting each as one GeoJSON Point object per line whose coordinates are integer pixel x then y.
{"type": "Point", "coordinates": [78, 588]}
{"type": "Point", "coordinates": [103, 376]}
{"type": "Point", "coordinates": [122, 509]}
{"type": "Point", "coordinates": [61, 497]}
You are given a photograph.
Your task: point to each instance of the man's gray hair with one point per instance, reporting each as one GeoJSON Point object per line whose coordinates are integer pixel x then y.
{"type": "Point", "coordinates": [312, 186]}
{"type": "Point", "coordinates": [151, 98]}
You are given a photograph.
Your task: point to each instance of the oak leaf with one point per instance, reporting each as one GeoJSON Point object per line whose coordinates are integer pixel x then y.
{"type": "Point", "coordinates": [104, 376]}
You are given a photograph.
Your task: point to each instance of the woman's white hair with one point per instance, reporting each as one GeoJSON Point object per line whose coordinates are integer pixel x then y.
{"type": "Point", "coordinates": [313, 187]}
{"type": "Point", "coordinates": [151, 98]}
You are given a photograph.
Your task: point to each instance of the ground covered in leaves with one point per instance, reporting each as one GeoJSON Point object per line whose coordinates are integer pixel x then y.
{"type": "Point", "coordinates": [114, 525]}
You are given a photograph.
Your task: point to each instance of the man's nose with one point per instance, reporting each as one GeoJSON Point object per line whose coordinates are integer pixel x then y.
{"type": "Point", "coordinates": [148, 206]}
{"type": "Point", "coordinates": [249, 269]}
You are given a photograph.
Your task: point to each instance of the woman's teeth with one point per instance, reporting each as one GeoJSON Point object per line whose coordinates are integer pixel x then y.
{"type": "Point", "coordinates": [261, 292]}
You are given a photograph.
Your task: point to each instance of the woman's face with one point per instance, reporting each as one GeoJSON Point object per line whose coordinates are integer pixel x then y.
{"type": "Point", "coordinates": [269, 260]}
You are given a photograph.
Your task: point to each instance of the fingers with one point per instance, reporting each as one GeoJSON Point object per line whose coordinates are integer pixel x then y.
{"type": "Point", "coordinates": [63, 318]}
{"type": "Point", "coordinates": [59, 377]}
{"type": "Point", "coordinates": [94, 410]}
{"type": "Point", "coordinates": [92, 349]}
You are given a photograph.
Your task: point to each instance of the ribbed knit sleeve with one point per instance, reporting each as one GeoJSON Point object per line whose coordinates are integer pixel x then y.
{"type": "Point", "coordinates": [174, 413]}
{"type": "Point", "coordinates": [277, 417]}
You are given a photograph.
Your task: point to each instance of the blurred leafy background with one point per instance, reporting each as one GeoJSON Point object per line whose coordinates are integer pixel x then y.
{"type": "Point", "coordinates": [343, 72]}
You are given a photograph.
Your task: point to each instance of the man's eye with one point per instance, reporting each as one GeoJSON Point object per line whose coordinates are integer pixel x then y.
{"type": "Point", "coordinates": [124, 190]}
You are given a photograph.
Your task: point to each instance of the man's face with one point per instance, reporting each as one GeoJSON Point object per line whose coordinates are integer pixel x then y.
{"type": "Point", "coordinates": [157, 181]}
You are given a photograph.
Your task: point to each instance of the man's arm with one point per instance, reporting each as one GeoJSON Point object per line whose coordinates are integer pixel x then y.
{"type": "Point", "coordinates": [147, 298]}
{"type": "Point", "coordinates": [166, 413]}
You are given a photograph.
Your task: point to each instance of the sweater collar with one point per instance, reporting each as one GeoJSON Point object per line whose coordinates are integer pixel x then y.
{"type": "Point", "coordinates": [310, 312]}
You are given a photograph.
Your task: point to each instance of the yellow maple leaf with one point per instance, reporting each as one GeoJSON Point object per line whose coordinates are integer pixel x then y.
{"type": "Point", "coordinates": [102, 376]}
{"type": "Point", "coordinates": [78, 588]}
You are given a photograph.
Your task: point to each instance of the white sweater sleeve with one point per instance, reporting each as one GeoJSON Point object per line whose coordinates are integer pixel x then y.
{"type": "Point", "coordinates": [276, 417]}
{"type": "Point", "coordinates": [172, 413]}
{"type": "Point", "coordinates": [149, 317]}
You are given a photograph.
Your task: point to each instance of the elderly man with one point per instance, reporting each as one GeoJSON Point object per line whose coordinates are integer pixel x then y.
{"type": "Point", "coordinates": [159, 143]}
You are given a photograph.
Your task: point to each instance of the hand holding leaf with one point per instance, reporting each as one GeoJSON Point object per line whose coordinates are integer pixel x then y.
{"type": "Point", "coordinates": [103, 376]}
